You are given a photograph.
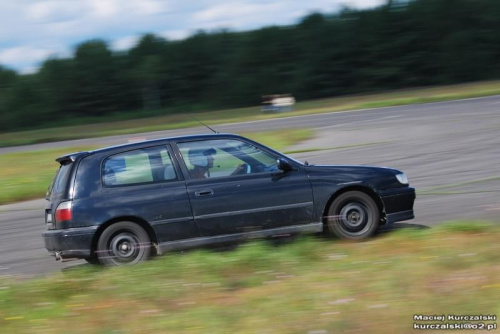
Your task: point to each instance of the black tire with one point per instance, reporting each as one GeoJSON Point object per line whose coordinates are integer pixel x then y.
{"type": "Point", "coordinates": [122, 244]}
{"type": "Point", "coordinates": [353, 215]}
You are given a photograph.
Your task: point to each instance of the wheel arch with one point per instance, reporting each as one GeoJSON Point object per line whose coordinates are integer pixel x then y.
{"type": "Point", "coordinates": [141, 222]}
{"type": "Point", "coordinates": [361, 188]}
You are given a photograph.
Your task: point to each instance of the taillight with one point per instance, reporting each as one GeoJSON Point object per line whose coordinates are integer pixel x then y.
{"type": "Point", "coordinates": [64, 212]}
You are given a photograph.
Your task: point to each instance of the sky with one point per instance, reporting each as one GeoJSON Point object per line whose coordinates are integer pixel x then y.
{"type": "Point", "coordinates": [32, 31]}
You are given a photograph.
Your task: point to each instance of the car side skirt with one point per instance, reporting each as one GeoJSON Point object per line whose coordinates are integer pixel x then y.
{"type": "Point", "coordinates": [220, 239]}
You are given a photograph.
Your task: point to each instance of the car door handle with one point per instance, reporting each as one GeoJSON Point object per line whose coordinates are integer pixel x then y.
{"type": "Point", "coordinates": [208, 192]}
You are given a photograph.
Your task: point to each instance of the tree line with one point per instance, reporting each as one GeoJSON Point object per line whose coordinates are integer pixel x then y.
{"type": "Point", "coordinates": [397, 45]}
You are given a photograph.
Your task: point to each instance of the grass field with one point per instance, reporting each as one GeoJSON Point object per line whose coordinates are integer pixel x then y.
{"type": "Point", "coordinates": [174, 121]}
{"type": "Point", "coordinates": [308, 285]}
{"type": "Point", "coordinates": [27, 175]}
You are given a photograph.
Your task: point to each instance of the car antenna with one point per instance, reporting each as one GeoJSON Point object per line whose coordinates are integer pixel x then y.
{"type": "Point", "coordinates": [196, 119]}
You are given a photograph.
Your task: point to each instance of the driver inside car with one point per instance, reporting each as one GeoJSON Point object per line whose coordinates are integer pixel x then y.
{"type": "Point", "coordinates": [202, 161]}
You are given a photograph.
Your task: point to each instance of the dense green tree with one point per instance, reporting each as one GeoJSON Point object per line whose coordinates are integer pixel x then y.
{"type": "Point", "coordinates": [95, 76]}
{"type": "Point", "coordinates": [8, 79]}
{"type": "Point", "coordinates": [27, 98]}
{"type": "Point", "coordinates": [146, 70]}
{"type": "Point", "coordinates": [403, 43]}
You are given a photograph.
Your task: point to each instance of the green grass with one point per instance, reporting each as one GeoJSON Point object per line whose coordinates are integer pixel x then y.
{"type": "Point", "coordinates": [175, 121]}
{"type": "Point", "coordinates": [280, 140]}
{"type": "Point", "coordinates": [307, 285]}
{"type": "Point", "coordinates": [27, 175]}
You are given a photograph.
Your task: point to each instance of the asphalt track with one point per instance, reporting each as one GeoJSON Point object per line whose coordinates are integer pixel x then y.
{"type": "Point", "coordinates": [449, 150]}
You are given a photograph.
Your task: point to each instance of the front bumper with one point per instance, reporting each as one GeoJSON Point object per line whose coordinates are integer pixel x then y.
{"type": "Point", "coordinates": [71, 242]}
{"type": "Point", "coordinates": [398, 204]}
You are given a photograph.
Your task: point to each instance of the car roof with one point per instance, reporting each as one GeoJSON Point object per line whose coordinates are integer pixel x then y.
{"type": "Point", "coordinates": [145, 143]}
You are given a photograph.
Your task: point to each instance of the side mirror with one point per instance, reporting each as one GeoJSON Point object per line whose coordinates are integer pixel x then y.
{"type": "Point", "coordinates": [284, 165]}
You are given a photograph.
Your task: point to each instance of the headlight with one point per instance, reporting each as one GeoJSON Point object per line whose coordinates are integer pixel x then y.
{"type": "Point", "coordinates": [402, 178]}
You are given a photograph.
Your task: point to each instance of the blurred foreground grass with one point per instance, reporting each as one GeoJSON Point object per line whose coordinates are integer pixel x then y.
{"type": "Point", "coordinates": [136, 124]}
{"type": "Point", "coordinates": [310, 285]}
{"type": "Point", "coordinates": [27, 175]}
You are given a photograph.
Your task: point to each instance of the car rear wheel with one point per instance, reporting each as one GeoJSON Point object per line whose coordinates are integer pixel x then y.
{"type": "Point", "coordinates": [353, 215]}
{"type": "Point", "coordinates": [123, 243]}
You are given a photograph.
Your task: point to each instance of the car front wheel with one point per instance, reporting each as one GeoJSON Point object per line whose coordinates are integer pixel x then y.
{"type": "Point", "coordinates": [123, 243]}
{"type": "Point", "coordinates": [353, 215]}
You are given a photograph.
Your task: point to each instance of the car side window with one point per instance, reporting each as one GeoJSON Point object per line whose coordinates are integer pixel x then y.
{"type": "Point", "coordinates": [147, 165]}
{"type": "Point", "coordinates": [224, 157]}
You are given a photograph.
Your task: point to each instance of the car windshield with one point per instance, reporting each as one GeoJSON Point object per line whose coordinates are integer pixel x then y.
{"type": "Point", "coordinates": [251, 151]}
{"type": "Point", "coordinates": [257, 154]}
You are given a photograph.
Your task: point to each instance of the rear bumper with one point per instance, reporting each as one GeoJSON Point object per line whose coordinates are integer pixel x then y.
{"type": "Point", "coordinates": [398, 204]}
{"type": "Point", "coordinates": [70, 243]}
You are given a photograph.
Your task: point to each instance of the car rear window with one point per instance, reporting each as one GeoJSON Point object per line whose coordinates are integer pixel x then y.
{"type": "Point", "coordinates": [58, 186]}
{"type": "Point", "coordinates": [140, 166]}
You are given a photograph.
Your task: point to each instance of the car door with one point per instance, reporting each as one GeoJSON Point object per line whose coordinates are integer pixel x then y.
{"type": "Point", "coordinates": [235, 186]}
{"type": "Point", "coordinates": [146, 183]}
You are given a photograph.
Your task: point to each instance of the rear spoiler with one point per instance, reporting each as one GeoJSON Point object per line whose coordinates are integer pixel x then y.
{"type": "Point", "coordinates": [72, 157]}
{"type": "Point", "coordinates": [64, 160]}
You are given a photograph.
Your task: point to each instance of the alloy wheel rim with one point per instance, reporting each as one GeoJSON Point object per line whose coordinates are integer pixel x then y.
{"type": "Point", "coordinates": [354, 218]}
{"type": "Point", "coordinates": [124, 248]}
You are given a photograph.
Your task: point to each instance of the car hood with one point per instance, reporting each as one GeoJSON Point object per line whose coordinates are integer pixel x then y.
{"type": "Point", "coordinates": [353, 169]}
{"type": "Point", "coordinates": [375, 177]}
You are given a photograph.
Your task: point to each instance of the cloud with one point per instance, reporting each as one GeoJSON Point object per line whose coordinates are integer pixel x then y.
{"type": "Point", "coordinates": [125, 43]}
{"type": "Point", "coordinates": [24, 54]}
{"type": "Point", "coordinates": [175, 35]}
{"type": "Point", "coordinates": [360, 4]}
{"type": "Point", "coordinates": [245, 15]}
{"type": "Point", "coordinates": [150, 7]}
{"type": "Point", "coordinates": [127, 8]}
{"type": "Point", "coordinates": [102, 9]}
{"type": "Point", "coordinates": [239, 9]}
{"type": "Point", "coordinates": [49, 11]}
{"type": "Point", "coordinates": [29, 59]}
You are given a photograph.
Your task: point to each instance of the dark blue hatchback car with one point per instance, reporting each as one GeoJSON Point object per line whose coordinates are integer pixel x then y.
{"type": "Point", "coordinates": [122, 204]}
